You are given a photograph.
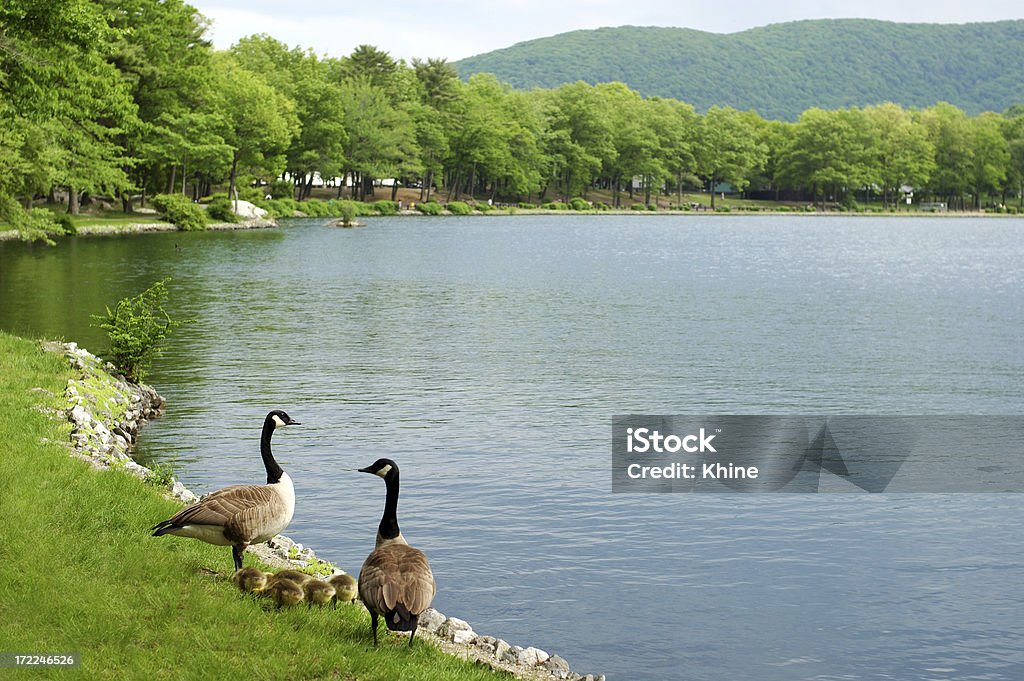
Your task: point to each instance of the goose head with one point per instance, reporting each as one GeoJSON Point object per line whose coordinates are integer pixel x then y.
{"type": "Point", "coordinates": [385, 468]}
{"type": "Point", "coordinates": [279, 419]}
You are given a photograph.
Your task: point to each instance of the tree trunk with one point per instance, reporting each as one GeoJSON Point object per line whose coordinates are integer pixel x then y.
{"type": "Point", "coordinates": [711, 189]}
{"type": "Point", "coordinates": [73, 206]}
{"type": "Point", "coordinates": [171, 182]}
{"type": "Point", "coordinates": [233, 182]}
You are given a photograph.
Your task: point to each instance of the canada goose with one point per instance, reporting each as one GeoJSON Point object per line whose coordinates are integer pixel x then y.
{"type": "Point", "coordinates": [318, 592]}
{"type": "Point", "coordinates": [240, 515]}
{"type": "Point", "coordinates": [346, 588]}
{"type": "Point", "coordinates": [296, 576]}
{"type": "Point", "coordinates": [250, 580]}
{"type": "Point", "coordinates": [395, 580]}
{"type": "Point", "coordinates": [284, 592]}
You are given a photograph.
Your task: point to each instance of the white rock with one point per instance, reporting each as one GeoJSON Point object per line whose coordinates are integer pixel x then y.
{"type": "Point", "coordinates": [511, 655]}
{"type": "Point", "coordinates": [247, 210]}
{"type": "Point", "coordinates": [430, 620]}
{"type": "Point", "coordinates": [532, 656]}
{"type": "Point", "coordinates": [558, 667]}
{"type": "Point", "coordinates": [455, 630]}
{"type": "Point", "coordinates": [501, 649]}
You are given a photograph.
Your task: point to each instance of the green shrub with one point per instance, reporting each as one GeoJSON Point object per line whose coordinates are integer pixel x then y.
{"type": "Point", "coordinates": [279, 208]}
{"type": "Point", "coordinates": [136, 327]}
{"type": "Point", "coordinates": [459, 208]}
{"type": "Point", "coordinates": [526, 206]}
{"type": "Point", "coordinates": [652, 206]}
{"type": "Point", "coordinates": [280, 189]}
{"type": "Point", "coordinates": [221, 208]}
{"type": "Point", "coordinates": [484, 207]}
{"type": "Point", "coordinates": [601, 205]}
{"type": "Point", "coordinates": [252, 194]}
{"type": "Point", "coordinates": [180, 212]}
{"type": "Point", "coordinates": [66, 225]}
{"type": "Point", "coordinates": [315, 208]}
{"type": "Point", "coordinates": [555, 205]}
{"type": "Point", "coordinates": [580, 204]}
{"type": "Point", "coordinates": [638, 206]}
{"type": "Point", "coordinates": [723, 209]}
{"type": "Point", "coordinates": [429, 208]}
{"type": "Point", "coordinates": [385, 207]}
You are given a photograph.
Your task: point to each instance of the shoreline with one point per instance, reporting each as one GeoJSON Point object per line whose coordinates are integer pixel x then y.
{"type": "Point", "coordinates": [107, 412]}
{"type": "Point", "coordinates": [131, 228]}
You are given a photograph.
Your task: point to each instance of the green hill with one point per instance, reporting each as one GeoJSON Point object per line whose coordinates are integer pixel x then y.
{"type": "Point", "coordinates": [783, 69]}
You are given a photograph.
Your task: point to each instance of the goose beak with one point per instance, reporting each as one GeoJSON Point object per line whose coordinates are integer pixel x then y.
{"type": "Point", "coordinates": [364, 470]}
{"type": "Point", "coordinates": [293, 422]}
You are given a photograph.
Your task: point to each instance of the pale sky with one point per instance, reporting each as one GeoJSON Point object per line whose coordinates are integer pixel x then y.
{"type": "Point", "coordinates": [455, 29]}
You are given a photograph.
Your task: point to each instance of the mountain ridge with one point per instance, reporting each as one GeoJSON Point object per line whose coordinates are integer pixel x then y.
{"type": "Point", "coordinates": [782, 69]}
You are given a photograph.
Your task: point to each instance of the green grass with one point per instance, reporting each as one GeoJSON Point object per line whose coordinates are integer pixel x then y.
{"type": "Point", "coordinates": [79, 572]}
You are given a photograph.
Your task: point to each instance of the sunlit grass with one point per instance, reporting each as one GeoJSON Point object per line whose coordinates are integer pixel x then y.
{"type": "Point", "coordinates": [79, 572]}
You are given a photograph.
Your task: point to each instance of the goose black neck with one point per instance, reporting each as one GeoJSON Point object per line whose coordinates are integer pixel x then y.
{"type": "Point", "coordinates": [388, 528]}
{"type": "Point", "coordinates": [274, 471]}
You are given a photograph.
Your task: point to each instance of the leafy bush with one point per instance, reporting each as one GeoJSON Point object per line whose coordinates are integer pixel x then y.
{"type": "Point", "coordinates": [429, 208]}
{"type": "Point", "coordinates": [180, 212]}
{"type": "Point", "coordinates": [220, 208]}
{"type": "Point", "coordinates": [136, 327]}
{"type": "Point", "coordinates": [484, 207]}
{"type": "Point", "coordinates": [638, 206]}
{"type": "Point", "coordinates": [315, 208]}
{"type": "Point", "coordinates": [555, 205]}
{"type": "Point", "coordinates": [66, 225]}
{"type": "Point", "coordinates": [385, 207]}
{"type": "Point", "coordinates": [459, 208]}
{"type": "Point", "coordinates": [601, 205]}
{"type": "Point", "coordinates": [280, 189]}
{"type": "Point", "coordinates": [279, 208]}
{"type": "Point", "coordinates": [723, 209]}
{"type": "Point", "coordinates": [527, 206]}
{"type": "Point", "coordinates": [652, 206]}
{"type": "Point", "coordinates": [579, 204]}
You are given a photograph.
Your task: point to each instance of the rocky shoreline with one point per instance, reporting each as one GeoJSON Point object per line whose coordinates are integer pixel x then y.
{"type": "Point", "coordinates": [106, 413]}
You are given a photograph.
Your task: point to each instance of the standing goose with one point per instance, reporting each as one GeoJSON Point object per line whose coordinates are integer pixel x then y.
{"type": "Point", "coordinates": [395, 580]}
{"type": "Point", "coordinates": [240, 515]}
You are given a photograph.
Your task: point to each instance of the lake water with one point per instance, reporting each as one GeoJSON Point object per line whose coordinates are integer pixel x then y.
{"type": "Point", "coordinates": [488, 355]}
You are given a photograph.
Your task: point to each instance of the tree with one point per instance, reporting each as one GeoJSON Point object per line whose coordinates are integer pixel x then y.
{"type": "Point", "coordinates": [258, 123]}
{"type": "Point", "coordinates": [948, 131]}
{"type": "Point", "coordinates": [990, 157]}
{"type": "Point", "coordinates": [580, 137]}
{"type": "Point", "coordinates": [728, 148]}
{"type": "Point", "coordinates": [1013, 131]}
{"type": "Point", "coordinates": [903, 155]}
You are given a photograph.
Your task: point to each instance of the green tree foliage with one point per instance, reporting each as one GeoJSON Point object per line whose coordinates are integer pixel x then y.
{"type": "Point", "coordinates": [901, 151]}
{"type": "Point", "coordinates": [728, 148]}
{"type": "Point", "coordinates": [258, 121]}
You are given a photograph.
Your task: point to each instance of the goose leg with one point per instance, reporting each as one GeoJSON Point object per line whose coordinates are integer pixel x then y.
{"type": "Point", "coordinates": [373, 626]}
{"type": "Point", "coordinates": [236, 552]}
{"type": "Point", "coordinates": [412, 636]}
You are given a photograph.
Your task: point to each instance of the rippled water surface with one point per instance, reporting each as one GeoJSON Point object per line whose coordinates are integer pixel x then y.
{"type": "Point", "coordinates": [487, 357]}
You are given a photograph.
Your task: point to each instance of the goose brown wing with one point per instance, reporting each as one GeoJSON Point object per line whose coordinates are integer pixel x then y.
{"type": "Point", "coordinates": [394, 574]}
{"type": "Point", "coordinates": [238, 509]}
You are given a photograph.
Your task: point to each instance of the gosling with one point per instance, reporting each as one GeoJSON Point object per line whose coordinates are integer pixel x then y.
{"type": "Point", "coordinates": [318, 592]}
{"type": "Point", "coordinates": [285, 592]}
{"type": "Point", "coordinates": [346, 588]}
{"type": "Point", "coordinates": [250, 580]}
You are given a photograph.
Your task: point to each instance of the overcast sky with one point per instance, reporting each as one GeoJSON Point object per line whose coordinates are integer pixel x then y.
{"type": "Point", "coordinates": [455, 29]}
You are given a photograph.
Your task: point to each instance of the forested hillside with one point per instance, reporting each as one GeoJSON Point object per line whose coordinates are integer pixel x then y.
{"type": "Point", "coordinates": [783, 69]}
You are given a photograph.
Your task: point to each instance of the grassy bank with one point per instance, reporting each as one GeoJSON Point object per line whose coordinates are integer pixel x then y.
{"type": "Point", "coordinates": [80, 573]}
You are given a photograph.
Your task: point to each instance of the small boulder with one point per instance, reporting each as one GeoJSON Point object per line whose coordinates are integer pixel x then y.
{"type": "Point", "coordinates": [430, 620]}
{"type": "Point", "coordinates": [457, 631]}
{"type": "Point", "coordinates": [532, 656]}
{"type": "Point", "coordinates": [558, 667]}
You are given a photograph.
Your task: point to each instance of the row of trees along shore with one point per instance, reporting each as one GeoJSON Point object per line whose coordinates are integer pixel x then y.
{"type": "Point", "coordinates": [127, 98]}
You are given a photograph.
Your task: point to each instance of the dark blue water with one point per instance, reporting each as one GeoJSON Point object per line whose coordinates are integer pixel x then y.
{"type": "Point", "coordinates": [488, 355]}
